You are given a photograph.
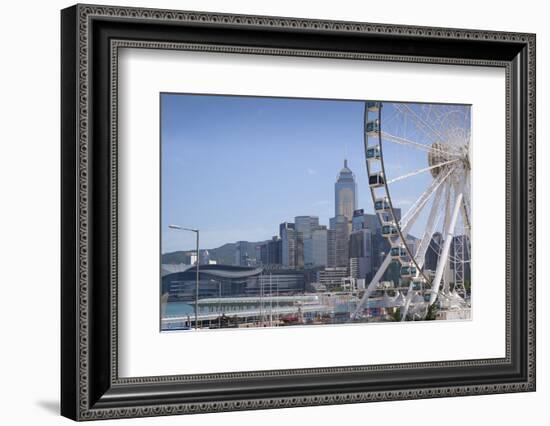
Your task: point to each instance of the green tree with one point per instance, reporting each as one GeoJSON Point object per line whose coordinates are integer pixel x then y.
{"type": "Point", "coordinates": [393, 273]}
{"type": "Point", "coordinates": [432, 312]}
{"type": "Point", "coordinates": [468, 286]}
{"type": "Point", "coordinates": [396, 316]}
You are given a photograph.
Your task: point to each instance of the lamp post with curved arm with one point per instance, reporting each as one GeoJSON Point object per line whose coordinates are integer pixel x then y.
{"type": "Point", "coordinates": [196, 231]}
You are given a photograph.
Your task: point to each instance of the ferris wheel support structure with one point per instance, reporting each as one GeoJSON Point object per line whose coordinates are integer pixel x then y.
{"type": "Point", "coordinates": [445, 252]}
{"type": "Point", "coordinates": [432, 223]}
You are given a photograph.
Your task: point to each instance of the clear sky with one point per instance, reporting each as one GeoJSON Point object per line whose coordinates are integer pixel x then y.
{"type": "Point", "coordinates": [236, 167]}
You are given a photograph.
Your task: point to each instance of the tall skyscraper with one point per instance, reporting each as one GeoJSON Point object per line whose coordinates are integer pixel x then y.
{"type": "Point", "coordinates": [287, 233]}
{"type": "Point", "coordinates": [460, 249]}
{"type": "Point", "coordinates": [315, 248]}
{"type": "Point", "coordinates": [274, 251]}
{"type": "Point", "coordinates": [412, 243]}
{"type": "Point", "coordinates": [432, 254]}
{"type": "Point", "coordinates": [299, 251]}
{"type": "Point", "coordinates": [345, 193]}
{"type": "Point", "coordinates": [331, 248]}
{"type": "Point", "coordinates": [397, 212]}
{"type": "Point", "coordinates": [305, 225]}
{"type": "Point", "coordinates": [372, 222]}
{"type": "Point", "coordinates": [341, 227]}
{"type": "Point", "coordinates": [358, 220]}
{"type": "Point", "coordinates": [283, 226]}
{"type": "Point", "coordinates": [241, 253]}
{"type": "Point", "coordinates": [360, 253]}
{"type": "Point", "coordinates": [292, 246]}
{"type": "Point", "coordinates": [289, 248]}
{"type": "Point", "coordinates": [261, 254]}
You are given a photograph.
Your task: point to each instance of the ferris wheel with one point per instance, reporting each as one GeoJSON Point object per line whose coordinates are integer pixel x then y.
{"type": "Point", "coordinates": [418, 161]}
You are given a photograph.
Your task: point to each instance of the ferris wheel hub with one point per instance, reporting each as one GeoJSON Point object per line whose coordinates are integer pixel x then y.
{"type": "Point", "coordinates": [437, 155]}
{"type": "Point", "coordinates": [440, 153]}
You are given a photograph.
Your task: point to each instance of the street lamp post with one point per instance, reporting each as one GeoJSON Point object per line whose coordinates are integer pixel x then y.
{"type": "Point", "coordinates": [196, 231]}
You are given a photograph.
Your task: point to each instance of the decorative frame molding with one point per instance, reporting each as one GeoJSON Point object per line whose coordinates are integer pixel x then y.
{"type": "Point", "coordinates": [91, 37]}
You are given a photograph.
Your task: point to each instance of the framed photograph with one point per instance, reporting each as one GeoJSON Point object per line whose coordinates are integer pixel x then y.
{"type": "Point", "coordinates": [263, 212]}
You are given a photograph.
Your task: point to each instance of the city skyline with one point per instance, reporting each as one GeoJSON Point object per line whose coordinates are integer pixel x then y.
{"type": "Point", "coordinates": [337, 209]}
{"type": "Point", "coordinates": [215, 137]}
{"type": "Point", "coordinates": [297, 221]}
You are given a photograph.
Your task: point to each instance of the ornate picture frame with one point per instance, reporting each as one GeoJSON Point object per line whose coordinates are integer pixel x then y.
{"type": "Point", "coordinates": [91, 37]}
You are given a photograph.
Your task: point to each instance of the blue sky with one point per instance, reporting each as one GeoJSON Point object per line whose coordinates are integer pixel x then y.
{"type": "Point", "coordinates": [235, 167]}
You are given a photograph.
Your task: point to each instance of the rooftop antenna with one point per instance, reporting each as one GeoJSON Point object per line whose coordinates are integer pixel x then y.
{"type": "Point", "coordinates": [346, 155]}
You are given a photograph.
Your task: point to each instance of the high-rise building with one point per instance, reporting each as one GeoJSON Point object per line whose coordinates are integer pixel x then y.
{"type": "Point", "coordinates": [412, 244]}
{"type": "Point", "coordinates": [261, 253]}
{"type": "Point", "coordinates": [316, 248]}
{"type": "Point", "coordinates": [299, 251]}
{"type": "Point", "coordinates": [274, 251]}
{"type": "Point", "coordinates": [292, 246]}
{"type": "Point", "coordinates": [345, 193]}
{"type": "Point", "coordinates": [360, 253]}
{"type": "Point", "coordinates": [341, 227]}
{"type": "Point", "coordinates": [288, 238]}
{"type": "Point", "coordinates": [379, 244]}
{"type": "Point", "coordinates": [372, 222]}
{"type": "Point", "coordinates": [241, 253]}
{"type": "Point", "coordinates": [358, 220]}
{"type": "Point", "coordinates": [460, 250]}
{"type": "Point", "coordinates": [283, 226]}
{"type": "Point", "coordinates": [331, 248]}
{"type": "Point", "coordinates": [397, 213]}
{"type": "Point", "coordinates": [432, 254]}
{"type": "Point", "coordinates": [306, 224]}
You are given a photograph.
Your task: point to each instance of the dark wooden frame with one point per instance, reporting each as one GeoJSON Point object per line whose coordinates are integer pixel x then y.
{"type": "Point", "coordinates": [90, 386]}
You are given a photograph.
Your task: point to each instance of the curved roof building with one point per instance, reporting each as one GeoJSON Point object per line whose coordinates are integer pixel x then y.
{"type": "Point", "coordinates": [226, 280]}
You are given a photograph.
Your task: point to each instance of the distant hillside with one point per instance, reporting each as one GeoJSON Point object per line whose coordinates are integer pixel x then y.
{"type": "Point", "coordinates": [174, 257]}
{"type": "Point", "coordinates": [223, 255]}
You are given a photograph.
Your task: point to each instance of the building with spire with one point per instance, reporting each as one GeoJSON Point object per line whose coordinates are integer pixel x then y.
{"type": "Point", "coordinates": [345, 203]}
{"type": "Point", "coordinates": [345, 193]}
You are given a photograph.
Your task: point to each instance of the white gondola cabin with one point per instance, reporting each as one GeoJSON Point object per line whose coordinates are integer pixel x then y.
{"type": "Point", "coordinates": [389, 230]}
{"type": "Point", "coordinates": [373, 152]}
{"type": "Point", "coordinates": [376, 180]}
{"type": "Point", "coordinates": [408, 271]}
{"type": "Point", "coordinates": [373, 106]}
{"type": "Point", "coordinates": [373, 128]}
{"type": "Point", "coordinates": [382, 205]}
{"type": "Point", "coordinates": [417, 284]}
{"type": "Point", "coordinates": [398, 252]}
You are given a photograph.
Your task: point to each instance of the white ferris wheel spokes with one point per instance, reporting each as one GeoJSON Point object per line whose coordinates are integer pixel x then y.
{"type": "Point", "coordinates": [436, 141]}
